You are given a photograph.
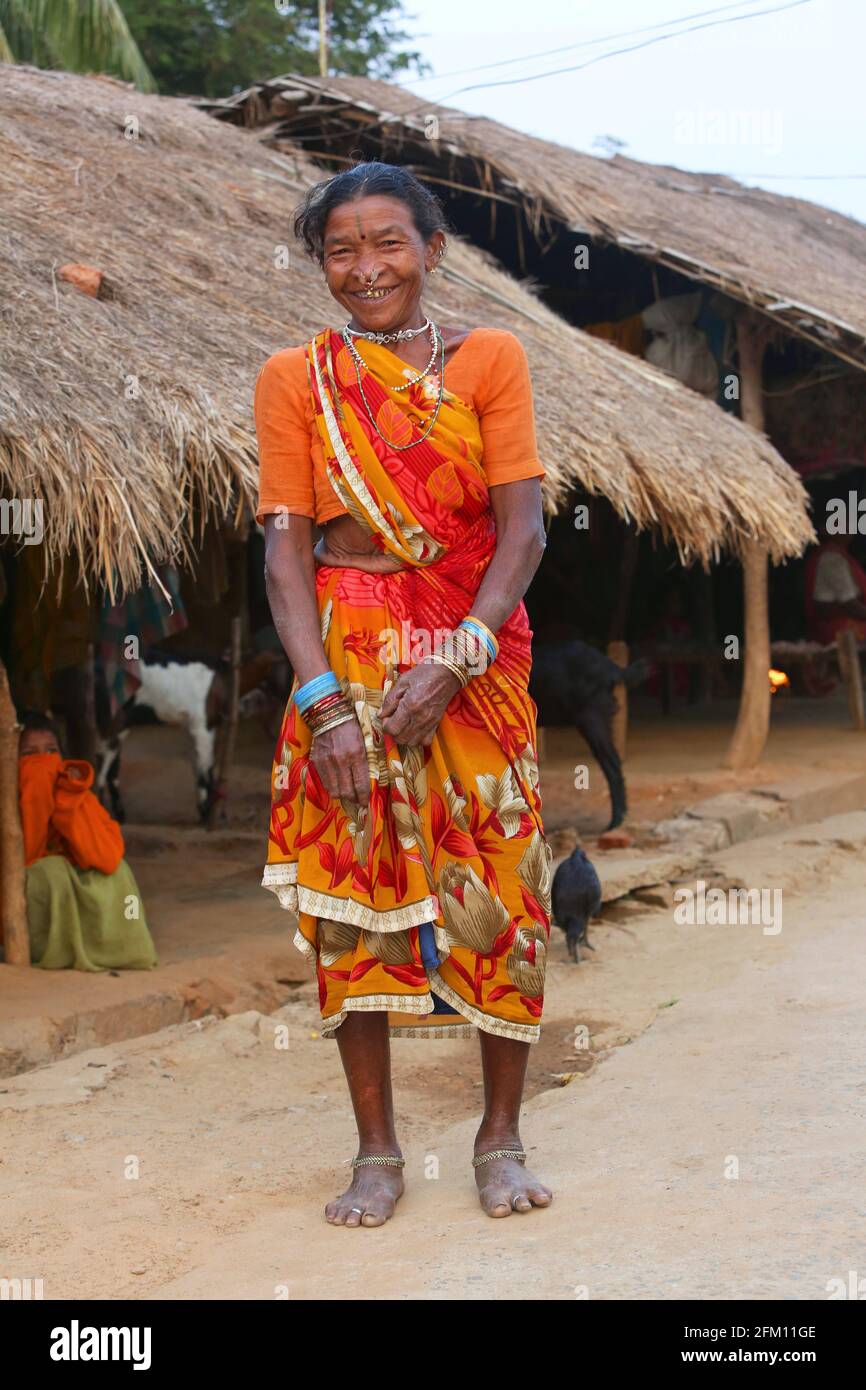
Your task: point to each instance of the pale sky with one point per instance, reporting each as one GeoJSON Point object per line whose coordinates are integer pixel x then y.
{"type": "Point", "coordinates": [780, 95]}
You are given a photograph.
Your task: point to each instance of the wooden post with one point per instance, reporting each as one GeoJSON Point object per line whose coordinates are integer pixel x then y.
{"type": "Point", "coordinates": [849, 665]}
{"type": "Point", "coordinates": [13, 897]}
{"type": "Point", "coordinates": [753, 721]}
{"type": "Point", "coordinates": [628, 562]}
{"type": "Point", "coordinates": [703, 590]}
{"type": "Point", "coordinates": [90, 704]}
{"type": "Point", "coordinates": [618, 652]}
{"type": "Point", "coordinates": [617, 649]}
{"type": "Point", "coordinates": [229, 726]}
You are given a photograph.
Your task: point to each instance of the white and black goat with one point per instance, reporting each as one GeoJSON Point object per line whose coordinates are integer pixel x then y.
{"type": "Point", "coordinates": [193, 695]}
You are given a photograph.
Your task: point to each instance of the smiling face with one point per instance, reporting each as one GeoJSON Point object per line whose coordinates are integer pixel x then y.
{"type": "Point", "coordinates": [375, 239]}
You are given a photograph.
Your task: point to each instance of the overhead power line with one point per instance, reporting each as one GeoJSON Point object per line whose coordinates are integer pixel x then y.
{"type": "Point", "coordinates": [584, 43]}
{"type": "Point", "coordinates": [829, 178]}
{"type": "Point", "coordinates": [617, 52]}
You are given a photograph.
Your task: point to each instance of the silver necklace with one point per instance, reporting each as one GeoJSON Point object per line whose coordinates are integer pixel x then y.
{"type": "Point", "coordinates": [403, 335]}
{"type": "Point", "coordinates": [413, 381]}
{"type": "Point", "coordinates": [438, 343]}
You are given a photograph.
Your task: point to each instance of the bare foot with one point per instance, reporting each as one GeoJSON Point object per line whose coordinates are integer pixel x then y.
{"type": "Point", "coordinates": [504, 1185]}
{"type": "Point", "coordinates": [371, 1198]}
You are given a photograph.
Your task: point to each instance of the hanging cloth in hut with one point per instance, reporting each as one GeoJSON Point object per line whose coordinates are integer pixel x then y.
{"type": "Point", "coordinates": [144, 615]}
{"type": "Point", "coordinates": [52, 624]}
{"type": "Point", "coordinates": [678, 347]}
{"type": "Point", "coordinates": [628, 334]}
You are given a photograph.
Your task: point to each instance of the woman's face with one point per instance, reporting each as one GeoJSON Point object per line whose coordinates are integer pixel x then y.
{"type": "Point", "coordinates": [376, 239]}
{"type": "Point", "coordinates": [37, 741]}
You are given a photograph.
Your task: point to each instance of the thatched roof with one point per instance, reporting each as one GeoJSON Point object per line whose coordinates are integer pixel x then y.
{"type": "Point", "coordinates": [131, 412]}
{"type": "Point", "coordinates": [802, 265]}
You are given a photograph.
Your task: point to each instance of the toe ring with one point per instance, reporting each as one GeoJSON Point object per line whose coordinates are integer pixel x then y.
{"type": "Point", "coordinates": [518, 1154]}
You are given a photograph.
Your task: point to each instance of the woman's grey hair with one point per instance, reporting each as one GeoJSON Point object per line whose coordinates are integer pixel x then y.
{"type": "Point", "coordinates": [366, 181]}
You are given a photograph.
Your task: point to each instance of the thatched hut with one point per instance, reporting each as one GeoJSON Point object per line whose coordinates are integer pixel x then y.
{"type": "Point", "coordinates": [801, 265]}
{"type": "Point", "coordinates": [130, 408]}
{"type": "Point", "coordinates": [789, 276]}
{"type": "Point", "coordinates": [126, 386]}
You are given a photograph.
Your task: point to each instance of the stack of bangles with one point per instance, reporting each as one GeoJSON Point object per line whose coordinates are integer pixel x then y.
{"type": "Point", "coordinates": [467, 651]}
{"type": "Point", "coordinates": [322, 703]}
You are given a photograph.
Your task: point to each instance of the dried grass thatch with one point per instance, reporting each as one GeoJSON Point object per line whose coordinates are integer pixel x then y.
{"type": "Point", "coordinates": [131, 413]}
{"type": "Point", "coordinates": [802, 265]}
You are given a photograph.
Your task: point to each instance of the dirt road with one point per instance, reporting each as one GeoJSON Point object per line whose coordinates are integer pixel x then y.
{"type": "Point", "coordinates": [717, 1155]}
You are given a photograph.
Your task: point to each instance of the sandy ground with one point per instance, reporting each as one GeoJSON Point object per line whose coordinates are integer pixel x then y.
{"type": "Point", "coordinates": [195, 1162]}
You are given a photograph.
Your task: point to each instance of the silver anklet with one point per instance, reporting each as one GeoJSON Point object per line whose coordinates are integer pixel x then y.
{"type": "Point", "coordinates": [385, 1160]}
{"type": "Point", "coordinates": [519, 1154]}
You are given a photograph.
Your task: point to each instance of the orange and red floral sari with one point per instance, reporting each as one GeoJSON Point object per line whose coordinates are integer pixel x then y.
{"type": "Point", "coordinates": [453, 835]}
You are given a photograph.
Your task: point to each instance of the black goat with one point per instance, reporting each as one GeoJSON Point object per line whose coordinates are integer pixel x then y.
{"type": "Point", "coordinates": [572, 683]}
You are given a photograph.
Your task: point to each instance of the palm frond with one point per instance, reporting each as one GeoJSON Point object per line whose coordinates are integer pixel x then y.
{"type": "Point", "coordinates": [79, 35]}
{"type": "Point", "coordinates": [6, 54]}
{"type": "Point", "coordinates": [16, 23]}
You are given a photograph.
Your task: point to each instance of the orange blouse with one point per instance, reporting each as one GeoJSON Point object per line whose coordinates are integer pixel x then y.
{"type": "Point", "coordinates": [489, 372]}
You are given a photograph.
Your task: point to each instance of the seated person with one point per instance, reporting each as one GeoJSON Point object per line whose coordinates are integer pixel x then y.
{"type": "Point", "coordinates": [835, 590]}
{"type": "Point", "coordinates": [84, 909]}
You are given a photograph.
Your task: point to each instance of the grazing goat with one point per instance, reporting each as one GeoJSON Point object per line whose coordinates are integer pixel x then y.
{"type": "Point", "coordinates": [572, 683]}
{"type": "Point", "coordinates": [576, 896]}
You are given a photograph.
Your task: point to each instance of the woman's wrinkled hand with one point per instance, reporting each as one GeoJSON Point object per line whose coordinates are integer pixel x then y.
{"type": "Point", "coordinates": [340, 759]}
{"type": "Point", "coordinates": [413, 708]}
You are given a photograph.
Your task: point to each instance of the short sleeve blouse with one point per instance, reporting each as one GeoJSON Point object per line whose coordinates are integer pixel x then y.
{"type": "Point", "coordinates": [489, 372]}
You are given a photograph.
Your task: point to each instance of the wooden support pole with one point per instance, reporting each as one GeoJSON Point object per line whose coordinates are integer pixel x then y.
{"type": "Point", "coordinates": [13, 897]}
{"type": "Point", "coordinates": [849, 665]}
{"type": "Point", "coordinates": [617, 648]}
{"type": "Point", "coordinates": [229, 726]}
{"type": "Point", "coordinates": [703, 590]}
{"type": "Point", "coordinates": [753, 721]}
{"type": "Point", "coordinates": [618, 629]}
{"type": "Point", "coordinates": [618, 652]}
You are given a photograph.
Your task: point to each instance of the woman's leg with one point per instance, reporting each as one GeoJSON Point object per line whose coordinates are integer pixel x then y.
{"type": "Point", "coordinates": [366, 1057]}
{"type": "Point", "coordinates": [504, 1184]}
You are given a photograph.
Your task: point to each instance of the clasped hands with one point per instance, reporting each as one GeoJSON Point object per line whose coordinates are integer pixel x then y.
{"type": "Point", "coordinates": [413, 708]}
{"type": "Point", "coordinates": [411, 713]}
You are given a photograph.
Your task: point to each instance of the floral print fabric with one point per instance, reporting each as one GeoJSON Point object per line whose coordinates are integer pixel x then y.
{"type": "Point", "coordinates": [453, 833]}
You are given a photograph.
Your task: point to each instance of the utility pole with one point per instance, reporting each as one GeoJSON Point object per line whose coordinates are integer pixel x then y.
{"type": "Point", "coordinates": [323, 38]}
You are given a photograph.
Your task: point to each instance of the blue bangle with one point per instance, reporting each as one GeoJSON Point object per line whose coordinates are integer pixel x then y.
{"type": "Point", "coordinates": [480, 632]}
{"type": "Point", "coordinates": [326, 684]}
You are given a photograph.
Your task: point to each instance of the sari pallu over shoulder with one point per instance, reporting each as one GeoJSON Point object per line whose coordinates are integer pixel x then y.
{"type": "Point", "coordinates": [453, 833]}
{"type": "Point", "coordinates": [429, 505]}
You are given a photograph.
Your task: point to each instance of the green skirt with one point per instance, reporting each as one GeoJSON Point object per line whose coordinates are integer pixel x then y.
{"type": "Point", "coordinates": [82, 919]}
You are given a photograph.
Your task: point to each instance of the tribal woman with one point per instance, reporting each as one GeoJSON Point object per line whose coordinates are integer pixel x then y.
{"type": "Point", "coordinates": [406, 828]}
